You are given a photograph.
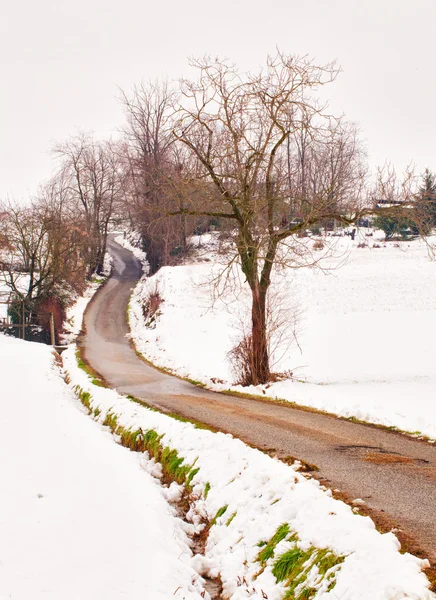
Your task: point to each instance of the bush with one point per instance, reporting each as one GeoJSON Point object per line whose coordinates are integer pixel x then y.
{"type": "Point", "coordinates": [15, 310]}
{"type": "Point", "coordinates": [241, 361]}
{"type": "Point", "coordinates": [398, 226]}
{"type": "Point", "coordinates": [151, 306]}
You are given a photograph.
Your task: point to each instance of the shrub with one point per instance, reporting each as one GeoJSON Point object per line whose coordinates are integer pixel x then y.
{"type": "Point", "coordinates": [400, 226]}
{"type": "Point", "coordinates": [315, 231]}
{"type": "Point", "coordinates": [151, 306]}
{"type": "Point", "coordinates": [241, 361]}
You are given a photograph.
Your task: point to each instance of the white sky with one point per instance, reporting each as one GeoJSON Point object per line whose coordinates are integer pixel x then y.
{"type": "Point", "coordinates": [61, 63]}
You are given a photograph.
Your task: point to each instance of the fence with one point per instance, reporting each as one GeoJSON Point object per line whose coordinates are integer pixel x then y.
{"type": "Point", "coordinates": [19, 318]}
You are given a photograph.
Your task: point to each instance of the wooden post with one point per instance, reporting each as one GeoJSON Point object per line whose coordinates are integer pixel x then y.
{"type": "Point", "coordinates": [23, 319]}
{"type": "Point", "coordinates": [52, 330]}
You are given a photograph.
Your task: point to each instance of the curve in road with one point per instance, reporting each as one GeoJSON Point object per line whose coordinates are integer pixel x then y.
{"type": "Point", "coordinates": [394, 474]}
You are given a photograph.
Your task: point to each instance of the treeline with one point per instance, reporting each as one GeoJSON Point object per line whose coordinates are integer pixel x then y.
{"type": "Point", "coordinates": [256, 155]}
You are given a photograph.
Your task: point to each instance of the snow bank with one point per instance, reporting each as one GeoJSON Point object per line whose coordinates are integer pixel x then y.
{"type": "Point", "coordinates": [79, 517]}
{"type": "Point", "coordinates": [367, 332]}
{"type": "Point", "coordinates": [247, 496]}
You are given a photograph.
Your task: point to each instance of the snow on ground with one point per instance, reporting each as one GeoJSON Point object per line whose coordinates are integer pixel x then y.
{"type": "Point", "coordinates": [251, 496]}
{"type": "Point", "coordinates": [79, 517]}
{"type": "Point", "coordinates": [366, 332]}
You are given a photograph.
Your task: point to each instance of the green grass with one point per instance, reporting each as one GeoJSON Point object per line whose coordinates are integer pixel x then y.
{"type": "Point", "coordinates": [269, 547]}
{"type": "Point", "coordinates": [206, 489]}
{"type": "Point", "coordinates": [292, 568]}
{"type": "Point", "coordinates": [87, 369]}
{"type": "Point", "coordinates": [110, 420]}
{"type": "Point", "coordinates": [219, 514]}
{"type": "Point", "coordinates": [98, 279]}
{"type": "Point", "coordinates": [230, 519]}
{"type": "Point", "coordinates": [84, 397]}
{"type": "Point", "coordinates": [173, 465]}
{"type": "Point", "coordinates": [195, 382]}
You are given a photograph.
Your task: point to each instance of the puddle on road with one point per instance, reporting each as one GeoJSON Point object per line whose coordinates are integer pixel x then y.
{"type": "Point", "coordinates": [379, 455]}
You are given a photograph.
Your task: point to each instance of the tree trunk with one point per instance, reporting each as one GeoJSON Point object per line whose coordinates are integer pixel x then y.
{"type": "Point", "coordinates": [101, 253]}
{"type": "Point", "coordinates": [260, 371]}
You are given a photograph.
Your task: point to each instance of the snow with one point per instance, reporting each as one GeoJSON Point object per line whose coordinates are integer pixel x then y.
{"type": "Point", "coordinates": [79, 517]}
{"type": "Point", "coordinates": [261, 494]}
{"type": "Point", "coordinates": [82, 517]}
{"type": "Point", "coordinates": [366, 331]}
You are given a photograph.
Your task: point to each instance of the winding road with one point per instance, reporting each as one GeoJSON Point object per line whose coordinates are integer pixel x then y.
{"type": "Point", "coordinates": [395, 475]}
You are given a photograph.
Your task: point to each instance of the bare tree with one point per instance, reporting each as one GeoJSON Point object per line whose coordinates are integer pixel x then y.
{"type": "Point", "coordinates": [41, 257]}
{"type": "Point", "coordinates": [147, 159]}
{"type": "Point", "coordinates": [245, 131]}
{"type": "Point", "coordinates": [94, 179]}
{"type": "Point", "coordinates": [155, 166]}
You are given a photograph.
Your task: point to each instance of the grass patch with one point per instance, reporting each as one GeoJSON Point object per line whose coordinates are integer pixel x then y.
{"type": "Point", "coordinates": [84, 397]}
{"type": "Point", "coordinates": [175, 416]}
{"type": "Point", "coordinates": [195, 382]}
{"type": "Point", "coordinates": [293, 567]}
{"type": "Point", "coordinates": [173, 465]}
{"type": "Point", "coordinates": [206, 489]}
{"type": "Point", "coordinates": [197, 424]}
{"type": "Point", "coordinates": [288, 566]}
{"type": "Point", "coordinates": [88, 370]}
{"type": "Point", "coordinates": [110, 420]}
{"type": "Point", "coordinates": [142, 403]}
{"type": "Point", "coordinates": [269, 547]}
{"type": "Point", "coordinates": [98, 279]}
{"type": "Point", "coordinates": [219, 513]}
{"type": "Point", "coordinates": [230, 519]}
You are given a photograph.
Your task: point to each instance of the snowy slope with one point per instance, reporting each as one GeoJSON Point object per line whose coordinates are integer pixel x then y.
{"type": "Point", "coordinates": [366, 332]}
{"type": "Point", "coordinates": [79, 517]}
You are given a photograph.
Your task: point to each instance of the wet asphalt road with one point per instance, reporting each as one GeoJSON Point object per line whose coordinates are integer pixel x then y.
{"type": "Point", "coordinates": [394, 474]}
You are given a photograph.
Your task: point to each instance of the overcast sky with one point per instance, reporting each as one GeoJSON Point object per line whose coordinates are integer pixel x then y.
{"type": "Point", "coordinates": [61, 63]}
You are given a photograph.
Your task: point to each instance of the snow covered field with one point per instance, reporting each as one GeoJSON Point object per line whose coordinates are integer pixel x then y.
{"type": "Point", "coordinates": [366, 332]}
{"type": "Point", "coordinates": [79, 517]}
{"type": "Point", "coordinates": [83, 518]}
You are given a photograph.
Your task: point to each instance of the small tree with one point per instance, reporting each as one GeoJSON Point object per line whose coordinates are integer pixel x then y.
{"type": "Point", "coordinates": [392, 226]}
{"type": "Point", "coordinates": [427, 197]}
{"type": "Point", "coordinates": [41, 257]}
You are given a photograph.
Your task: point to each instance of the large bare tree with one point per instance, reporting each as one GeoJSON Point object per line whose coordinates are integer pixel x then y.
{"type": "Point", "coordinates": [272, 161]}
